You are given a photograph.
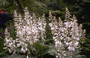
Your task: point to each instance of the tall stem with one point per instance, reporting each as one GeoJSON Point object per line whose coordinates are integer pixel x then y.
{"type": "Point", "coordinates": [70, 54]}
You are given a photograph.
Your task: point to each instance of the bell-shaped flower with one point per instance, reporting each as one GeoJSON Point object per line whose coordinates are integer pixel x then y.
{"type": "Point", "coordinates": [71, 48]}
{"type": "Point", "coordinates": [76, 44]}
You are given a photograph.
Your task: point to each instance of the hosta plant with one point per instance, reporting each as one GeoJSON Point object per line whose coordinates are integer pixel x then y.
{"type": "Point", "coordinates": [32, 36]}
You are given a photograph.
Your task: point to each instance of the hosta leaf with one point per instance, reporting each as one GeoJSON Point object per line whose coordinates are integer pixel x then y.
{"type": "Point", "coordinates": [75, 52]}
{"type": "Point", "coordinates": [15, 56]}
{"type": "Point", "coordinates": [80, 56]}
{"type": "Point", "coordinates": [51, 51]}
{"type": "Point", "coordinates": [39, 46]}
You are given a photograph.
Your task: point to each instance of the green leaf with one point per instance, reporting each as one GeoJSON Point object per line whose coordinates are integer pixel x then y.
{"type": "Point", "coordinates": [75, 52]}
{"type": "Point", "coordinates": [51, 51]}
{"type": "Point", "coordinates": [39, 46]}
{"type": "Point", "coordinates": [3, 52]}
{"type": "Point", "coordinates": [40, 4]}
{"type": "Point", "coordinates": [15, 56]}
{"type": "Point", "coordinates": [80, 56]}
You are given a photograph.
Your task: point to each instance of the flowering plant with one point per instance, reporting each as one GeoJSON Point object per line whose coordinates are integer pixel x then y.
{"type": "Point", "coordinates": [31, 36]}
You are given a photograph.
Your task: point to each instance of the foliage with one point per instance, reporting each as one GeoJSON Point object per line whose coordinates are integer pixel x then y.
{"type": "Point", "coordinates": [78, 7]}
{"type": "Point", "coordinates": [14, 56]}
{"type": "Point", "coordinates": [36, 51]}
{"type": "Point", "coordinates": [1, 44]}
{"type": "Point", "coordinates": [44, 50]}
{"type": "Point", "coordinates": [85, 47]}
{"type": "Point", "coordinates": [19, 5]}
{"type": "Point", "coordinates": [57, 7]}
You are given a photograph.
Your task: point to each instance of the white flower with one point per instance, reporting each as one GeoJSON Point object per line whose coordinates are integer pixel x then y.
{"type": "Point", "coordinates": [56, 56]}
{"type": "Point", "coordinates": [64, 54]}
{"type": "Point", "coordinates": [68, 38]}
{"type": "Point", "coordinates": [61, 37]}
{"type": "Point", "coordinates": [26, 45]}
{"type": "Point", "coordinates": [50, 24]}
{"type": "Point", "coordinates": [23, 30]}
{"type": "Point", "coordinates": [28, 33]}
{"type": "Point", "coordinates": [52, 28]}
{"type": "Point", "coordinates": [58, 44]}
{"type": "Point", "coordinates": [71, 48]}
{"type": "Point", "coordinates": [39, 24]}
{"type": "Point", "coordinates": [55, 33]}
{"type": "Point", "coordinates": [7, 40]}
{"type": "Point", "coordinates": [23, 50]}
{"type": "Point", "coordinates": [31, 18]}
{"type": "Point", "coordinates": [54, 37]}
{"type": "Point", "coordinates": [36, 40]}
{"type": "Point", "coordinates": [77, 38]}
{"type": "Point", "coordinates": [76, 44]}
{"type": "Point", "coordinates": [19, 32]}
{"type": "Point", "coordinates": [18, 27]}
{"type": "Point", "coordinates": [31, 43]}
{"type": "Point", "coordinates": [18, 45]}
{"type": "Point", "coordinates": [56, 26]}
{"type": "Point", "coordinates": [10, 45]}
{"type": "Point", "coordinates": [70, 44]}
{"type": "Point", "coordinates": [4, 47]}
{"type": "Point", "coordinates": [9, 50]}
{"type": "Point", "coordinates": [26, 49]}
{"type": "Point", "coordinates": [27, 56]}
{"type": "Point", "coordinates": [67, 43]}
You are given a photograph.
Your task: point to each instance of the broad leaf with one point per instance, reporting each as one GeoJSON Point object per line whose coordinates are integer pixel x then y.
{"type": "Point", "coordinates": [15, 56]}
{"type": "Point", "coordinates": [80, 56]}
{"type": "Point", "coordinates": [51, 51]}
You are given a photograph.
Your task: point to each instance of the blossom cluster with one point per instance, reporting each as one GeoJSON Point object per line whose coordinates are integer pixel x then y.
{"type": "Point", "coordinates": [66, 34]}
{"type": "Point", "coordinates": [28, 31]}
